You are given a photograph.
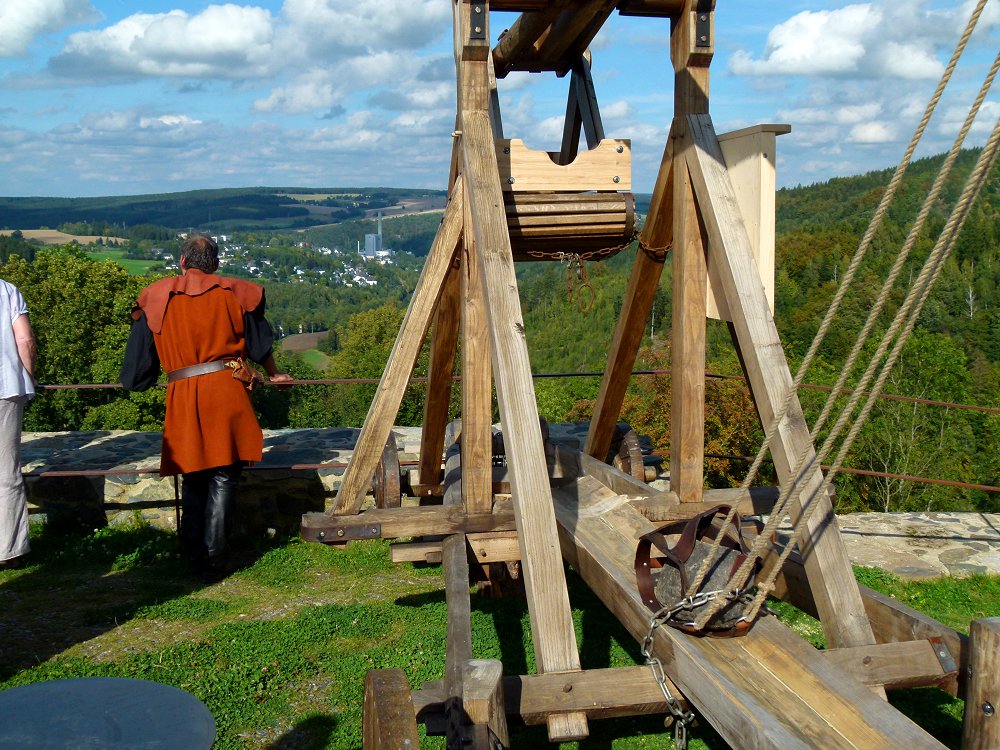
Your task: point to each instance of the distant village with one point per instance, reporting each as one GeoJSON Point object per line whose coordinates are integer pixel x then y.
{"type": "Point", "coordinates": [242, 258]}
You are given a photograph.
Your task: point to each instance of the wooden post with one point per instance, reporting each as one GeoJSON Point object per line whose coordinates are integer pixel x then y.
{"type": "Point", "coordinates": [482, 697]}
{"type": "Point", "coordinates": [691, 49]}
{"type": "Point", "coordinates": [981, 728]}
{"type": "Point", "coordinates": [545, 583]}
{"type": "Point", "coordinates": [388, 720]}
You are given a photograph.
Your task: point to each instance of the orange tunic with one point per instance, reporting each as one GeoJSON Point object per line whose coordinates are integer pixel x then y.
{"type": "Point", "coordinates": [210, 421]}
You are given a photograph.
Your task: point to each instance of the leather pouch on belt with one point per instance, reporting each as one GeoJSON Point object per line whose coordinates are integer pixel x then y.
{"type": "Point", "coordinates": [245, 372]}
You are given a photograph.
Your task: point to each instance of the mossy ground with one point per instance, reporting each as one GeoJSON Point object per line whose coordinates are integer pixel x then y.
{"type": "Point", "coordinates": [279, 649]}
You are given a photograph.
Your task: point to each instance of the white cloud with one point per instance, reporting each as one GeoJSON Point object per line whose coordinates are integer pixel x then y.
{"type": "Point", "coordinates": [21, 21]}
{"type": "Point", "coordinates": [223, 41]}
{"type": "Point", "coordinates": [884, 38]}
{"type": "Point", "coordinates": [872, 132]}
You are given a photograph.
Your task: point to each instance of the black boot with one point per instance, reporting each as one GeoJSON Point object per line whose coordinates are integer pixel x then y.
{"type": "Point", "coordinates": [221, 497]}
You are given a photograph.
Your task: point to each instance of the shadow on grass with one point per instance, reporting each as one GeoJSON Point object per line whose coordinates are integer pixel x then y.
{"type": "Point", "coordinates": [312, 733]}
{"type": "Point", "coordinates": [76, 586]}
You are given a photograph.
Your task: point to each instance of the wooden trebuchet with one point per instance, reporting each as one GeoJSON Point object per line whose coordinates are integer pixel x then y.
{"type": "Point", "coordinates": [545, 225]}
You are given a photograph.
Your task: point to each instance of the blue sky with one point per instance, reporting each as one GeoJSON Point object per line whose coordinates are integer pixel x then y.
{"type": "Point", "coordinates": [117, 97]}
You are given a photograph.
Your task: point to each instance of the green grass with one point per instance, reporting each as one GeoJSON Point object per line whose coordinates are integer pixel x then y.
{"type": "Point", "coordinates": [315, 358]}
{"type": "Point", "coordinates": [278, 651]}
{"type": "Point", "coordinates": [134, 267]}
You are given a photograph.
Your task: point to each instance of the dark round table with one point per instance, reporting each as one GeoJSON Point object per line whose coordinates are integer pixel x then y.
{"type": "Point", "coordinates": [88, 713]}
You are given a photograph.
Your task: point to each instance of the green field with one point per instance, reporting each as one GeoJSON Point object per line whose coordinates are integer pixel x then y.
{"type": "Point", "coordinates": [134, 267]}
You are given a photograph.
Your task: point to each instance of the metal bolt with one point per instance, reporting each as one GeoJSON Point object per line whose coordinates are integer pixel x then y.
{"type": "Point", "coordinates": [616, 179]}
{"type": "Point", "coordinates": [374, 531]}
{"type": "Point", "coordinates": [506, 149]}
{"type": "Point", "coordinates": [568, 688]}
{"type": "Point", "coordinates": [478, 29]}
{"type": "Point", "coordinates": [703, 18]}
{"type": "Point", "coordinates": [322, 535]}
{"type": "Point", "coordinates": [478, 8]}
{"type": "Point", "coordinates": [620, 149]}
{"type": "Point", "coordinates": [703, 38]}
{"type": "Point", "coordinates": [340, 532]}
{"type": "Point", "coordinates": [988, 709]}
{"type": "Point", "coordinates": [510, 180]}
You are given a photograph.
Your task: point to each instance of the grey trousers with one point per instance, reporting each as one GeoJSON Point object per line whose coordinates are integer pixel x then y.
{"type": "Point", "coordinates": [13, 501]}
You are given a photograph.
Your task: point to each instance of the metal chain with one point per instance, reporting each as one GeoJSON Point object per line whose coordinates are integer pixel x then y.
{"type": "Point", "coordinates": [576, 271]}
{"type": "Point", "coordinates": [681, 719]}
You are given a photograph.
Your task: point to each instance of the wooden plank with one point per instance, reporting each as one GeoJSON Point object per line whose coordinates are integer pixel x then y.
{"type": "Point", "coordinates": [495, 547]}
{"type": "Point", "coordinates": [483, 699]}
{"type": "Point", "coordinates": [545, 583]}
{"type": "Point", "coordinates": [392, 523]}
{"type": "Point", "coordinates": [827, 565]}
{"type": "Point", "coordinates": [892, 665]}
{"type": "Point", "coordinates": [600, 693]}
{"type": "Point", "coordinates": [388, 717]}
{"type": "Point", "coordinates": [687, 355]}
{"type": "Point", "coordinates": [981, 728]}
{"type": "Point", "coordinates": [766, 689]}
{"type": "Point", "coordinates": [608, 166]}
{"type": "Point", "coordinates": [441, 368]}
{"type": "Point", "coordinates": [398, 370]}
{"type": "Point", "coordinates": [751, 162]}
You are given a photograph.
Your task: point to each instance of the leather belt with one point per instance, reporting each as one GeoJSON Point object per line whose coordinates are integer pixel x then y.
{"type": "Point", "coordinates": [201, 369]}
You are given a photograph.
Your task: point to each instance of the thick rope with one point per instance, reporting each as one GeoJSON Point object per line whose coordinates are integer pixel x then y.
{"type": "Point", "coordinates": [842, 290]}
{"type": "Point", "coordinates": [907, 320]}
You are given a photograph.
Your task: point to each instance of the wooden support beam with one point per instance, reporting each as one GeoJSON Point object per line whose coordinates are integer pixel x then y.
{"type": "Point", "coordinates": [768, 689]}
{"type": "Point", "coordinates": [525, 33]}
{"type": "Point", "coordinates": [456, 591]}
{"type": "Point", "coordinates": [545, 583]}
{"type": "Point", "coordinates": [494, 547]}
{"type": "Point", "coordinates": [477, 382]}
{"type": "Point", "coordinates": [691, 50]}
{"type": "Point", "coordinates": [398, 370]}
{"type": "Point", "coordinates": [981, 728]}
{"type": "Point", "coordinates": [388, 718]}
{"type": "Point", "coordinates": [444, 341]}
{"type": "Point", "coordinates": [601, 693]}
{"type": "Point", "coordinates": [392, 523]}
{"type": "Point", "coordinates": [895, 665]}
{"type": "Point", "coordinates": [482, 696]}
{"type": "Point", "coordinates": [607, 166]}
{"type": "Point", "coordinates": [582, 112]}
{"type": "Point", "coordinates": [827, 565]}
{"type": "Point", "coordinates": [657, 233]}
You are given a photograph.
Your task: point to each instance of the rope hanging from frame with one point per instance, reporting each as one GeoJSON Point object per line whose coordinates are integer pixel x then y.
{"type": "Point", "coordinates": [905, 319]}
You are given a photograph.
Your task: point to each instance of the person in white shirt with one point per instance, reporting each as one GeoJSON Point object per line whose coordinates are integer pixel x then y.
{"type": "Point", "coordinates": [17, 387]}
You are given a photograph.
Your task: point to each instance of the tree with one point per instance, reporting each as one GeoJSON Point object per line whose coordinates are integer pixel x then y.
{"type": "Point", "coordinates": [79, 309]}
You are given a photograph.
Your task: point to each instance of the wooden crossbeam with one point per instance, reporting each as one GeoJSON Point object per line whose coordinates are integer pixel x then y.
{"type": "Point", "coordinates": [545, 583]}
{"type": "Point", "coordinates": [551, 39]}
{"type": "Point", "coordinates": [398, 370]}
{"type": "Point", "coordinates": [827, 565]}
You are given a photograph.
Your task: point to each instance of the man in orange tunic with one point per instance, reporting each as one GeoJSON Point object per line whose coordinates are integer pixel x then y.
{"type": "Point", "coordinates": [197, 325]}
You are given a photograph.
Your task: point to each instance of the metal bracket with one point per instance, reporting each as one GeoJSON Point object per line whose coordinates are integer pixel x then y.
{"type": "Point", "coordinates": [349, 533]}
{"type": "Point", "coordinates": [703, 24]}
{"type": "Point", "coordinates": [944, 656]}
{"type": "Point", "coordinates": [477, 22]}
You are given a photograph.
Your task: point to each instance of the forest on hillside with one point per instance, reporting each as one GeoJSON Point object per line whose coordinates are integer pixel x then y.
{"type": "Point", "coordinates": [953, 355]}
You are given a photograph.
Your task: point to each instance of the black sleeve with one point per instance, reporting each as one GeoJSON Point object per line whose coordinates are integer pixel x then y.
{"type": "Point", "coordinates": [259, 336]}
{"type": "Point", "coordinates": [141, 366]}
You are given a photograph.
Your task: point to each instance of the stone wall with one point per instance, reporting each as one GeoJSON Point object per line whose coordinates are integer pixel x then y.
{"type": "Point", "coordinates": [100, 477]}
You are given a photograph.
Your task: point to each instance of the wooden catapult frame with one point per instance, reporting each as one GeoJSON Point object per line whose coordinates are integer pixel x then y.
{"type": "Point", "coordinates": [713, 207]}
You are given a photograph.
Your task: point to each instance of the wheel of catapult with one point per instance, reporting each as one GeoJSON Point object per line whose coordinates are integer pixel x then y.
{"type": "Point", "coordinates": [387, 483]}
{"type": "Point", "coordinates": [625, 453]}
